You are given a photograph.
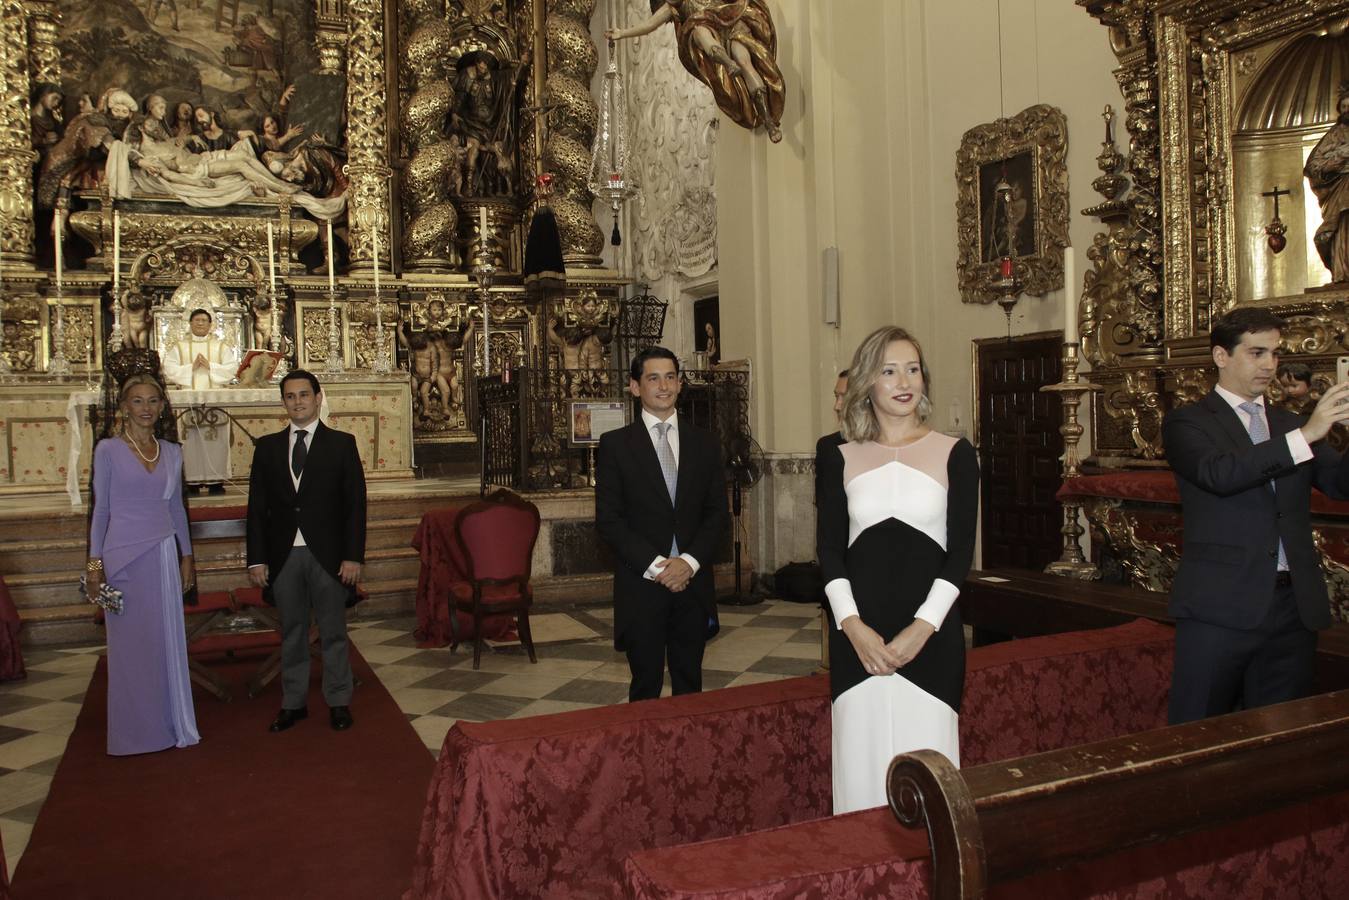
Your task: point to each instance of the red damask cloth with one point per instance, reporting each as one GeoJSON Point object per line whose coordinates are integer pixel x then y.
{"type": "Point", "coordinates": [11, 657]}
{"type": "Point", "coordinates": [552, 805]}
{"type": "Point", "coordinates": [442, 565]}
{"type": "Point", "coordinates": [549, 806]}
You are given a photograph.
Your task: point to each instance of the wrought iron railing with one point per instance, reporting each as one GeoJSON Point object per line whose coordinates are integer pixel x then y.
{"type": "Point", "coordinates": [526, 424]}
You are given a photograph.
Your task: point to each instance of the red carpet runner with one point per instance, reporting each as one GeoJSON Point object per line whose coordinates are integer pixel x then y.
{"type": "Point", "coordinates": [245, 813]}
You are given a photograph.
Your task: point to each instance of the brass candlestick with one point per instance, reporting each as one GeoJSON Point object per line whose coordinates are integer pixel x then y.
{"type": "Point", "coordinates": [1073, 563]}
{"type": "Point", "coordinates": [334, 362]}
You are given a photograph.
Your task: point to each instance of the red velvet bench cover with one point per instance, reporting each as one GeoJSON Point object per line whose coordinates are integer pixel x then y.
{"type": "Point", "coordinates": [551, 805]}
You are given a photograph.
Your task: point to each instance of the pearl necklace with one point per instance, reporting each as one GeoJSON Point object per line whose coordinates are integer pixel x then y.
{"type": "Point", "coordinates": [135, 445]}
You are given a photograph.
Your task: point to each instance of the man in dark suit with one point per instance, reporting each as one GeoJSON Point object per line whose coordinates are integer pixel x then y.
{"type": "Point", "coordinates": [660, 504]}
{"type": "Point", "coordinates": [1249, 595]}
{"type": "Point", "coordinates": [306, 544]}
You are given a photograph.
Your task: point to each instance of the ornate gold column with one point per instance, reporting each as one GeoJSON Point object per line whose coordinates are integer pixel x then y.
{"type": "Point", "coordinates": [367, 133]}
{"type": "Point", "coordinates": [572, 59]}
{"type": "Point", "coordinates": [429, 218]}
{"type": "Point", "coordinates": [16, 152]}
{"type": "Point", "coordinates": [44, 58]}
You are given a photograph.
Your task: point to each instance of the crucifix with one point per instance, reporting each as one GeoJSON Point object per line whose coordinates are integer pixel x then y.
{"type": "Point", "coordinates": [1276, 229]}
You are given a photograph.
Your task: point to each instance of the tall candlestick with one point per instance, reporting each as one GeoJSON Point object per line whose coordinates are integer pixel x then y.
{"type": "Point", "coordinates": [486, 338]}
{"type": "Point", "coordinates": [332, 282]}
{"type": "Point", "coordinates": [271, 258]}
{"type": "Point", "coordinates": [1069, 297]}
{"type": "Point", "coordinates": [57, 233]}
{"type": "Point", "coordinates": [116, 251]}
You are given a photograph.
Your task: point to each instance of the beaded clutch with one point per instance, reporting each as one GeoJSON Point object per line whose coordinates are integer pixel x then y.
{"type": "Point", "coordinates": [108, 596]}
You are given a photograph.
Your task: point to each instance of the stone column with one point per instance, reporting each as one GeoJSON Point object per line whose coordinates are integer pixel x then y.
{"type": "Point", "coordinates": [367, 133]}
{"type": "Point", "coordinates": [16, 150]}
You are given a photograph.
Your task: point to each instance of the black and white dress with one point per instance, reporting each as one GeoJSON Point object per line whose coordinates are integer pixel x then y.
{"type": "Point", "coordinates": [895, 539]}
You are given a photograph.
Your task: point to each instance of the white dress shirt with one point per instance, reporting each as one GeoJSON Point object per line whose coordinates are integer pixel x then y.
{"type": "Point", "coordinates": [650, 422]}
{"type": "Point", "coordinates": [1297, 444]}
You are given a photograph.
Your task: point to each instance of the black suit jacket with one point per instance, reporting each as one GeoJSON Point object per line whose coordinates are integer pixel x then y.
{"type": "Point", "coordinates": [1233, 521]}
{"type": "Point", "coordinates": [636, 519]}
{"type": "Point", "coordinates": [329, 507]}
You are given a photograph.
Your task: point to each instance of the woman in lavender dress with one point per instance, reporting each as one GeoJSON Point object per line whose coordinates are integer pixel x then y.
{"type": "Point", "coordinates": [138, 532]}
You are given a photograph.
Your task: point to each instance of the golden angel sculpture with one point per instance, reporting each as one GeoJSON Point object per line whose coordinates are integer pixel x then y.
{"type": "Point", "coordinates": [729, 46]}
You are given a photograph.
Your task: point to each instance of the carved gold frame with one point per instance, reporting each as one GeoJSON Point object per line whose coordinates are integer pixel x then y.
{"type": "Point", "coordinates": [1042, 131]}
{"type": "Point", "coordinates": [1199, 49]}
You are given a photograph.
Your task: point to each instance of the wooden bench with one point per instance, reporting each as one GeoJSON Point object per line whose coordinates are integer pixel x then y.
{"type": "Point", "coordinates": [1017, 603]}
{"type": "Point", "coordinates": [1003, 820]}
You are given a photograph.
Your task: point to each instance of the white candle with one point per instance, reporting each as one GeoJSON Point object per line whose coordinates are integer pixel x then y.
{"type": "Point", "coordinates": [374, 234]}
{"type": "Point", "coordinates": [482, 224]}
{"type": "Point", "coordinates": [116, 250]}
{"type": "Point", "coordinates": [1069, 297]}
{"type": "Point", "coordinates": [332, 282]}
{"type": "Point", "coordinates": [271, 258]}
{"type": "Point", "coordinates": [57, 233]}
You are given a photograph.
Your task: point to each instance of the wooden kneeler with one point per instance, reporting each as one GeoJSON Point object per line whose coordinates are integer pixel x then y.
{"type": "Point", "coordinates": [211, 609]}
{"type": "Point", "coordinates": [1003, 820]}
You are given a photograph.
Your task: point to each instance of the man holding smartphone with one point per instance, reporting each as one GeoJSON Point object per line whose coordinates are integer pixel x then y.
{"type": "Point", "coordinates": [1249, 595]}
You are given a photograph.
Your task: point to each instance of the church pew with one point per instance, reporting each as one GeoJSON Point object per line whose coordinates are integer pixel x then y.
{"type": "Point", "coordinates": [1251, 805]}
{"type": "Point", "coordinates": [551, 805]}
{"type": "Point", "coordinates": [1004, 820]}
{"type": "Point", "coordinates": [1020, 603]}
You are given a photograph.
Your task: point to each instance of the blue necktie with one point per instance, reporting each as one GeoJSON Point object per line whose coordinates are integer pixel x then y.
{"type": "Point", "coordinates": [1259, 434]}
{"type": "Point", "coordinates": [668, 468]}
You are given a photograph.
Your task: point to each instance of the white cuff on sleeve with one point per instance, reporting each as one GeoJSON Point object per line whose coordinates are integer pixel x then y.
{"type": "Point", "coordinates": [693, 563]}
{"type": "Point", "coordinates": [1298, 446]}
{"type": "Point", "coordinates": [651, 570]}
{"type": "Point", "coordinates": [940, 597]}
{"type": "Point", "coordinates": [841, 602]}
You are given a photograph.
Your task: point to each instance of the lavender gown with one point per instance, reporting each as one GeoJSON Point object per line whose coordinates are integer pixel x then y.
{"type": "Point", "coordinates": [139, 524]}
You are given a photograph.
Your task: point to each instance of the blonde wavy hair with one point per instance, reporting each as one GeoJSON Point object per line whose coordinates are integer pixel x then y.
{"type": "Point", "coordinates": [859, 419]}
{"type": "Point", "coordinates": [139, 378]}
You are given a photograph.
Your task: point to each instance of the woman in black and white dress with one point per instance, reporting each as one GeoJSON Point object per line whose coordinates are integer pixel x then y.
{"type": "Point", "coordinates": [897, 505]}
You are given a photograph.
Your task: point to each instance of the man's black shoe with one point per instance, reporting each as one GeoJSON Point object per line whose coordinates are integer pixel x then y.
{"type": "Point", "coordinates": [288, 717]}
{"type": "Point", "coordinates": [340, 716]}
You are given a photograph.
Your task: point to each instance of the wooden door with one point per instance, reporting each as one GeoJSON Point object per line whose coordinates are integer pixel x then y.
{"type": "Point", "coordinates": [1019, 450]}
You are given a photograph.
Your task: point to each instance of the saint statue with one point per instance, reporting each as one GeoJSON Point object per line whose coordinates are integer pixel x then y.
{"type": "Point", "coordinates": [1327, 170]}
{"type": "Point", "coordinates": [484, 92]}
{"type": "Point", "coordinates": [732, 48]}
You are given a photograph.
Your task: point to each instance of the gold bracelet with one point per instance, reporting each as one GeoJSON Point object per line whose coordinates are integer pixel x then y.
{"type": "Point", "coordinates": [94, 565]}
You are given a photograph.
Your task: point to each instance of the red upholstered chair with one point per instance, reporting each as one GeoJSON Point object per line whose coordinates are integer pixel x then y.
{"type": "Point", "coordinates": [496, 536]}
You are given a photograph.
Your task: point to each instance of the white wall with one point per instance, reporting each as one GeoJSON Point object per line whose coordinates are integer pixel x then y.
{"type": "Point", "coordinates": [879, 94]}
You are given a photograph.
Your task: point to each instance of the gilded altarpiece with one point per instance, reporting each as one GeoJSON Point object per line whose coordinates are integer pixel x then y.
{"type": "Point", "coordinates": [400, 123]}
{"type": "Point", "coordinates": [1223, 103]}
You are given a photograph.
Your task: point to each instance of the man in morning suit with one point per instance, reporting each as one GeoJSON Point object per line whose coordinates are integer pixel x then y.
{"type": "Point", "coordinates": [660, 504]}
{"type": "Point", "coordinates": [306, 542]}
{"type": "Point", "coordinates": [1249, 595]}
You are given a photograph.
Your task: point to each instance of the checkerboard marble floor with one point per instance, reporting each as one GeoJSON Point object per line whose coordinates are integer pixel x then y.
{"type": "Point", "coordinates": [577, 669]}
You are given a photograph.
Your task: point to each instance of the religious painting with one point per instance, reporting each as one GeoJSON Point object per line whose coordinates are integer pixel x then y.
{"type": "Point", "coordinates": [1007, 208]}
{"type": "Point", "coordinates": [1012, 201]}
{"type": "Point", "coordinates": [208, 103]}
{"type": "Point", "coordinates": [707, 329]}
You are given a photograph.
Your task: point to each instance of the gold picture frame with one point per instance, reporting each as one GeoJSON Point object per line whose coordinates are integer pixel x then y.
{"type": "Point", "coordinates": [1029, 150]}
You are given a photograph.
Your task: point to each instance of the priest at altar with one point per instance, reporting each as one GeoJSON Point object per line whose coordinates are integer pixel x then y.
{"type": "Point", "coordinates": [200, 361]}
